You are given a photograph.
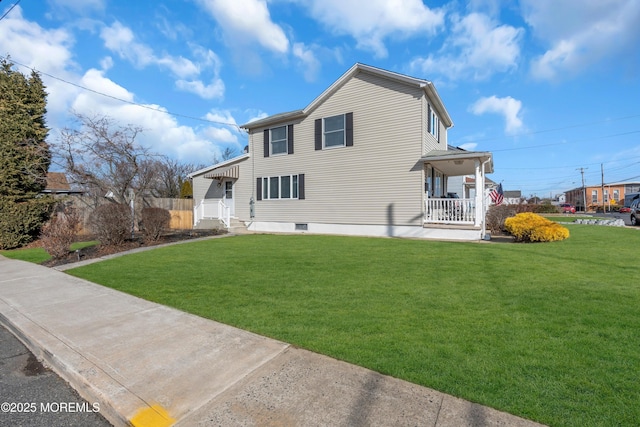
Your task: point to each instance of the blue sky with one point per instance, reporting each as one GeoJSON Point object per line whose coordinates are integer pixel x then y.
{"type": "Point", "coordinates": [549, 86]}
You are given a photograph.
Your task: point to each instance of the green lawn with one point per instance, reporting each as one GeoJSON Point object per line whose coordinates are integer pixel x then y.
{"type": "Point", "coordinates": [545, 331]}
{"type": "Point", "coordinates": [39, 255]}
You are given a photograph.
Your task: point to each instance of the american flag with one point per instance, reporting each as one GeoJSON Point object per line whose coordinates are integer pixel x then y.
{"type": "Point", "coordinates": [497, 195]}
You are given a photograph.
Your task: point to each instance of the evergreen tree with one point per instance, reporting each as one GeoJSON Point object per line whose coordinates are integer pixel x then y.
{"type": "Point", "coordinates": [24, 156]}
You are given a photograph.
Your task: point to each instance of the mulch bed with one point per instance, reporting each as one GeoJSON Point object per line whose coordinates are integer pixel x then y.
{"type": "Point", "coordinates": [97, 251]}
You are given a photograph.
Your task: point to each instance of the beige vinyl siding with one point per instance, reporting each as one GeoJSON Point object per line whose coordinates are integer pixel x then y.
{"type": "Point", "coordinates": [204, 188]}
{"type": "Point", "coordinates": [243, 189]}
{"type": "Point", "coordinates": [429, 141]}
{"type": "Point", "coordinates": [377, 181]}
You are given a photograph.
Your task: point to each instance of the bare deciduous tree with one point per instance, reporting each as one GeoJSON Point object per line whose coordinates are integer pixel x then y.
{"type": "Point", "coordinates": [102, 157]}
{"type": "Point", "coordinates": [169, 176]}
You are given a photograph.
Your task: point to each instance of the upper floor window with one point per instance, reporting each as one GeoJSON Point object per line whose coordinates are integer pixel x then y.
{"type": "Point", "coordinates": [334, 131]}
{"type": "Point", "coordinates": [434, 124]}
{"type": "Point", "coordinates": [278, 140]}
{"type": "Point", "coordinates": [594, 196]}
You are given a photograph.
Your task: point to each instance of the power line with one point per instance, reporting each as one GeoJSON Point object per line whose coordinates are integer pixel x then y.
{"type": "Point", "coordinates": [579, 125]}
{"type": "Point", "coordinates": [10, 9]}
{"type": "Point", "coordinates": [564, 143]}
{"type": "Point", "coordinates": [124, 100]}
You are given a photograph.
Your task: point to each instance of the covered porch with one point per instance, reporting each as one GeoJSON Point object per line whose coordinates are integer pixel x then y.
{"type": "Point", "coordinates": [218, 203]}
{"type": "Point", "coordinates": [457, 211]}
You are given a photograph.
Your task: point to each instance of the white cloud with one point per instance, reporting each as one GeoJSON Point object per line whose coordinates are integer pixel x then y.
{"type": "Point", "coordinates": [376, 21]}
{"type": "Point", "coordinates": [161, 131]}
{"type": "Point", "coordinates": [580, 33]}
{"type": "Point", "coordinates": [469, 146]}
{"type": "Point", "coordinates": [121, 40]}
{"type": "Point", "coordinates": [508, 107]}
{"type": "Point", "coordinates": [307, 60]}
{"type": "Point", "coordinates": [246, 22]}
{"type": "Point", "coordinates": [222, 117]}
{"type": "Point", "coordinates": [214, 90]}
{"type": "Point", "coordinates": [46, 50]}
{"type": "Point", "coordinates": [478, 47]}
{"type": "Point", "coordinates": [50, 51]}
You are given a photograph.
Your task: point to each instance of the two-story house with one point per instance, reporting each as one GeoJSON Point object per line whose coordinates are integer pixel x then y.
{"type": "Point", "coordinates": [369, 156]}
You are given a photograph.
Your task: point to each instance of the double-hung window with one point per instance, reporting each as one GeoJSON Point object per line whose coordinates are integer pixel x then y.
{"type": "Point", "coordinates": [279, 140]}
{"type": "Point", "coordinates": [280, 187]}
{"type": "Point", "coordinates": [334, 131]}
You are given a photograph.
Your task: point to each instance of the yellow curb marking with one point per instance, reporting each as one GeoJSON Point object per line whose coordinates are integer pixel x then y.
{"type": "Point", "coordinates": [153, 416]}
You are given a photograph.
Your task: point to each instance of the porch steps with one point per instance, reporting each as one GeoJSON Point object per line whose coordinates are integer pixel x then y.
{"type": "Point", "coordinates": [208, 224]}
{"type": "Point", "coordinates": [236, 225]}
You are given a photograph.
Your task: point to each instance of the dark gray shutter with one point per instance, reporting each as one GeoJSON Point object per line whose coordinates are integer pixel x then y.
{"type": "Point", "coordinates": [266, 142]}
{"type": "Point", "coordinates": [259, 189]}
{"type": "Point", "coordinates": [290, 139]}
{"type": "Point", "coordinates": [428, 118]}
{"type": "Point", "coordinates": [301, 186]}
{"type": "Point", "coordinates": [349, 129]}
{"type": "Point", "coordinates": [318, 134]}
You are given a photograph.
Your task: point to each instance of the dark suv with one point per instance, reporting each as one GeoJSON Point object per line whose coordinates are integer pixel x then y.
{"type": "Point", "coordinates": [635, 212]}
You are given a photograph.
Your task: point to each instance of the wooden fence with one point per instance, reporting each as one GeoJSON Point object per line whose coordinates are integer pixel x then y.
{"type": "Point", "coordinates": [181, 210]}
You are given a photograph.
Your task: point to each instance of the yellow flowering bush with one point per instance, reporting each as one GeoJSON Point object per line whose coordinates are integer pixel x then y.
{"type": "Point", "coordinates": [530, 227]}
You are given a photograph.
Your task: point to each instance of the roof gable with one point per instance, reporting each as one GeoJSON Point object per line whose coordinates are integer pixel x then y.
{"type": "Point", "coordinates": [425, 85]}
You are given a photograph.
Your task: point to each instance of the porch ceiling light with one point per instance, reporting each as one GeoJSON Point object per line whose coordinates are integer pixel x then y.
{"type": "Point", "coordinates": [458, 162]}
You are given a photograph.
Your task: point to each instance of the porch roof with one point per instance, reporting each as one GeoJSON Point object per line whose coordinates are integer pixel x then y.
{"type": "Point", "coordinates": [458, 162]}
{"type": "Point", "coordinates": [228, 172]}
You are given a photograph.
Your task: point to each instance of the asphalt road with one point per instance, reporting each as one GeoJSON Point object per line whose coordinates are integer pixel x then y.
{"type": "Point", "coordinates": [34, 396]}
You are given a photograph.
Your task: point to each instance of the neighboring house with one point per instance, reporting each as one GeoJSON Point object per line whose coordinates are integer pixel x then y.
{"type": "Point", "coordinates": [57, 184]}
{"type": "Point", "coordinates": [369, 156]}
{"type": "Point", "coordinates": [614, 193]}
{"type": "Point", "coordinates": [465, 186]}
{"type": "Point", "coordinates": [512, 197]}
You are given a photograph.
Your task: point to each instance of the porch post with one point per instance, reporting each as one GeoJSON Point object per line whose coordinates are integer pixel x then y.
{"type": "Point", "coordinates": [479, 183]}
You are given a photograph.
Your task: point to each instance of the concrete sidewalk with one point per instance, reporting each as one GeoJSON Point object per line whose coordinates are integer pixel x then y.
{"type": "Point", "coordinates": [150, 365]}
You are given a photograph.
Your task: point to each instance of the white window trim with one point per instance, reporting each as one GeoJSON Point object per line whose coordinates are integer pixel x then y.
{"type": "Point", "coordinates": [344, 132]}
{"type": "Point", "coordinates": [434, 124]}
{"type": "Point", "coordinates": [286, 141]}
{"type": "Point", "coordinates": [293, 189]}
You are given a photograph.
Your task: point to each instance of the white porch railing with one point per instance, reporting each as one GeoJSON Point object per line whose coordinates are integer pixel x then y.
{"type": "Point", "coordinates": [450, 211]}
{"type": "Point", "coordinates": [212, 209]}
{"type": "Point", "coordinates": [224, 213]}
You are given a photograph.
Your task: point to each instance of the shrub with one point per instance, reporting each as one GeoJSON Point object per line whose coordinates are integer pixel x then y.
{"type": "Point", "coordinates": [60, 232]}
{"type": "Point", "coordinates": [111, 223]}
{"type": "Point", "coordinates": [545, 208]}
{"type": "Point", "coordinates": [496, 216]}
{"type": "Point", "coordinates": [20, 222]}
{"type": "Point", "coordinates": [530, 227]}
{"type": "Point", "coordinates": [155, 221]}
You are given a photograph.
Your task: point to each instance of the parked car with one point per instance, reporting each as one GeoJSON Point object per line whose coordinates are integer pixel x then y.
{"type": "Point", "coordinates": [635, 212]}
{"type": "Point", "coordinates": [567, 208]}
{"type": "Point", "coordinates": [625, 209]}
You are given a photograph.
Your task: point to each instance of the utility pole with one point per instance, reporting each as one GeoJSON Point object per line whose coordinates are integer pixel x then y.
{"type": "Point", "coordinates": [602, 185]}
{"type": "Point", "coordinates": [584, 190]}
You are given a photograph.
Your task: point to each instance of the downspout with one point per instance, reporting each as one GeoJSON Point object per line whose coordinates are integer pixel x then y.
{"type": "Point", "coordinates": [484, 207]}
